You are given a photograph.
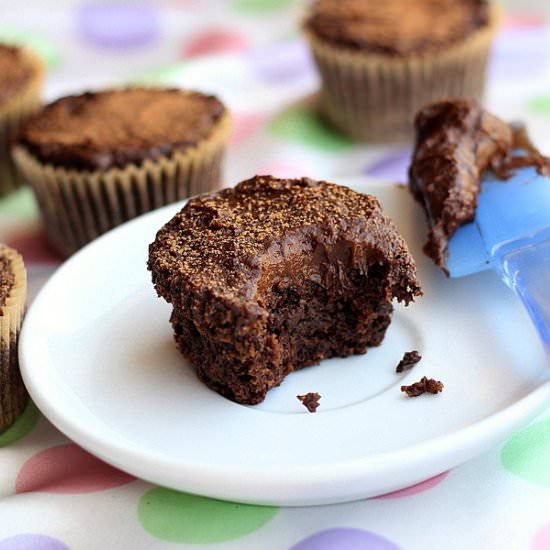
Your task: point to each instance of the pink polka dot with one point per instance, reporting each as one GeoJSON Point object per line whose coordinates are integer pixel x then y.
{"type": "Point", "coordinates": [541, 540]}
{"type": "Point", "coordinates": [282, 169]}
{"type": "Point", "coordinates": [68, 470]}
{"type": "Point", "coordinates": [244, 125]}
{"type": "Point", "coordinates": [522, 21]}
{"type": "Point", "coordinates": [416, 489]}
{"type": "Point", "coordinates": [34, 247]}
{"type": "Point", "coordinates": [214, 41]}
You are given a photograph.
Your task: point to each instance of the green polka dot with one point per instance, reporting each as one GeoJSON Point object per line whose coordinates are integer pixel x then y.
{"type": "Point", "coordinates": [23, 426]}
{"type": "Point", "coordinates": [540, 105]}
{"type": "Point", "coordinates": [262, 6]}
{"type": "Point", "coordinates": [162, 76]}
{"type": "Point", "coordinates": [21, 203]}
{"type": "Point", "coordinates": [527, 454]}
{"type": "Point", "coordinates": [303, 125]}
{"type": "Point", "coordinates": [44, 48]}
{"type": "Point", "coordinates": [185, 518]}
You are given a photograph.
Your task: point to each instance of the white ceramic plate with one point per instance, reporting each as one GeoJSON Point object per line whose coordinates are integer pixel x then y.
{"type": "Point", "coordinates": [98, 358]}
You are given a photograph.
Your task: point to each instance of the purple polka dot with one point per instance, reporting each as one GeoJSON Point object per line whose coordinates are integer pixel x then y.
{"type": "Point", "coordinates": [519, 53]}
{"type": "Point", "coordinates": [118, 24]}
{"type": "Point", "coordinates": [281, 62]}
{"type": "Point", "coordinates": [345, 539]}
{"type": "Point", "coordinates": [392, 167]}
{"type": "Point", "coordinates": [32, 541]}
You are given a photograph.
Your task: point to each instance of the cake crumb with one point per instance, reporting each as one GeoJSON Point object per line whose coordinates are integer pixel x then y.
{"type": "Point", "coordinates": [424, 385]}
{"type": "Point", "coordinates": [310, 401]}
{"type": "Point", "coordinates": [410, 359]}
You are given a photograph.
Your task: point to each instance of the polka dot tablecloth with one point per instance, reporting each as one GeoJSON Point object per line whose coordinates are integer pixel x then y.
{"type": "Point", "coordinates": [56, 496]}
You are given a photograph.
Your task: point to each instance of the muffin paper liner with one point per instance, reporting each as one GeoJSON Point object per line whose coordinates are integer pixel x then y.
{"type": "Point", "coordinates": [13, 395]}
{"type": "Point", "coordinates": [13, 113]}
{"type": "Point", "coordinates": [374, 97]}
{"type": "Point", "coordinates": [79, 206]}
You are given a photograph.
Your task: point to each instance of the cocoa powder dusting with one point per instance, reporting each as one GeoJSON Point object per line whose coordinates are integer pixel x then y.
{"type": "Point", "coordinates": [114, 128]}
{"type": "Point", "coordinates": [381, 27]}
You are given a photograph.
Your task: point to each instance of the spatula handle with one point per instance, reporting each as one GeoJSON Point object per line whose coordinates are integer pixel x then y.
{"type": "Point", "coordinates": [526, 269]}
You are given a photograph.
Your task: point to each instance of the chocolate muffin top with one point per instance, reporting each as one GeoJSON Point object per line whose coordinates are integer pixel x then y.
{"type": "Point", "coordinates": [15, 70]}
{"type": "Point", "coordinates": [235, 243]}
{"type": "Point", "coordinates": [7, 277]}
{"type": "Point", "coordinates": [396, 27]}
{"type": "Point", "coordinates": [456, 141]}
{"type": "Point", "coordinates": [102, 130]}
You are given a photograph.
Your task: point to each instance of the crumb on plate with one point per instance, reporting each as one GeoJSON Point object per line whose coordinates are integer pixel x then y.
{"type": "Point", "coordinates": [410, 359]}
{"type": "Point", "coordinates": [424, 385]}
{"type": "Point", "coordinates": [310, 401]}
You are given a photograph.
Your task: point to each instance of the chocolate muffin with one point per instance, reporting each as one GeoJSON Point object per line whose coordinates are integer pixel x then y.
{"type": "Point", "coordinates": [456, 141]}
{"type": "Point", "coordinates": [13, 295]}
{"type": "Point", "coordinates": [275, 275]}
{"type": "Point", "coordinates": [20, 89]}
{"type": "Point", "coordinates": [379, 62]}
{"type": "Point", "coordinates": [98, 159]}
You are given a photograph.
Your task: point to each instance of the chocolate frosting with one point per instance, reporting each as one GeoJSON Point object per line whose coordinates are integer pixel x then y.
{"type": "Point", "coordinates": [237, 242]}
{"type": "Point", "coordinates": [396, 27]}
{"type": "Point", "coordinates": [456, 141]}
{"type": "Point", "coordinates": [102, 130]}
{"type": "Point", "coordinates": [14, 69]}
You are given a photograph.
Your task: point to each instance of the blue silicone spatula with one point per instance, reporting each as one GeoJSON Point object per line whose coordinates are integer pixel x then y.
{"type": "Point", "coordinates": [511, 235]}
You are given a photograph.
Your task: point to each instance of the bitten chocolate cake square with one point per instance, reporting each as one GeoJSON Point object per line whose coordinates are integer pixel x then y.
{"type": "Point", "coordinates": [275, 275]}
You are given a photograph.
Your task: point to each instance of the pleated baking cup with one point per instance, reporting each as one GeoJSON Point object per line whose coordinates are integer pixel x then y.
{"type": "Point", "coordinates": [13, 395]}
{"type": "Point", "coordinates": [79, 206]}
{"type": "Point", "coordinates": [374, 97]}
{"type": "Point", "coordinates": [13, 112]}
